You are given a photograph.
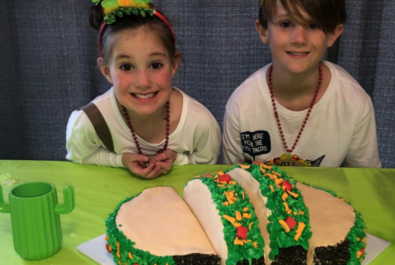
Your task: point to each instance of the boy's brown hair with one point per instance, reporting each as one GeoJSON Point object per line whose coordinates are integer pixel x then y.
{"type": "Point", "coordinates": [327, 13]}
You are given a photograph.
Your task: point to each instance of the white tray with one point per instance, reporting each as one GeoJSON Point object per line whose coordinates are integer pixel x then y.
{"type": "Point", "coordinates": [95, 249]}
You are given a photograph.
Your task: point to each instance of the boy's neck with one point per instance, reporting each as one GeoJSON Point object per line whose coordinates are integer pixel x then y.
{"type": "Point", "coordinates": [295, 91]}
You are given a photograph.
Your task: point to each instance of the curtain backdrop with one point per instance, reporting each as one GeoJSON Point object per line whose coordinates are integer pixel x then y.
{"type": "Point", "coordinates": [48, 66]}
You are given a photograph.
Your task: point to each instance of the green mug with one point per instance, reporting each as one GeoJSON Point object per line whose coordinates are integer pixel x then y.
{"type": "Point", "coordinates": [35, 218]}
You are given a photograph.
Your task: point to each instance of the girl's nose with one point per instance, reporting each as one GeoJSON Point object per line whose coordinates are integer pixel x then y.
{"type": "Point", "coordinates": [143, 79]}
{"type": "Point", "coordinates": [299, 35]}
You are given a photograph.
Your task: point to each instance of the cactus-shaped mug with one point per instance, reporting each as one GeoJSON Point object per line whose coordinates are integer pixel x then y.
{"type": "Point", "coordinates": [35, 220]}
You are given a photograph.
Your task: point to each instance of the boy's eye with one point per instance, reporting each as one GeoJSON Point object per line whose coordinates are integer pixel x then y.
{"type": "Point", "coordinates": [285, 24]}
{"type": "Point", "coordinates": [156, 65]}
{"type": "Point", "coordinates": [314, 26]}
{"type": "Point", "coordinates": [126, 67]}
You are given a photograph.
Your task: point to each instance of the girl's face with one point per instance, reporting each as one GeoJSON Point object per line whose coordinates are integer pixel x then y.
{"type": "Point", "coordinates": [296, 48]}
{"type": "Point", "coordinates": [141, 71]}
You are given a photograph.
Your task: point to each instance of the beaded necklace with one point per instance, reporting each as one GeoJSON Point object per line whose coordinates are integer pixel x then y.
{"type": "Point", "coordinates": [125, 113]}
{"type": "Point", "coordinates": [269, 84]}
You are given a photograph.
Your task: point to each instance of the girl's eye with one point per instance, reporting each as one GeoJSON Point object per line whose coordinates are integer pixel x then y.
{"type": "Point", "coordinates": [126, 67]}
{"type": "Point", "coordinates": [156, 65]}
{"type": "Point", "coordinates": [285, 24]}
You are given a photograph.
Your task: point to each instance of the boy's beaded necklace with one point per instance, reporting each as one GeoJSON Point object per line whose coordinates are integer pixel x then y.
{"type": "Point", "coordinates": [269, 84]}
{"type": "Point", "coordinates": [125, 113]}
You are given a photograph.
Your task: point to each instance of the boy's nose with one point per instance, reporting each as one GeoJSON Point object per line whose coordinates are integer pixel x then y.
{"type": "Point", "coordinates": [299, 35]}
{"type": "Point", "coordinates": [143, 79]}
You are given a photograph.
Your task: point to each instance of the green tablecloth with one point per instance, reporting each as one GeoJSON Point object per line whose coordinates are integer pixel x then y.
{"type": "Point", "coordinates": [99, 189]}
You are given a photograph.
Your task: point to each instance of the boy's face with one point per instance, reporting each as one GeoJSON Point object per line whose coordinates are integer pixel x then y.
{"type": "Point", "coordinates": [295, 47]}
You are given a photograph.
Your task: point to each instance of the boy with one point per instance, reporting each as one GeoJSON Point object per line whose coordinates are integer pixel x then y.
{"type": "Point", "coordinates": [300, 107]}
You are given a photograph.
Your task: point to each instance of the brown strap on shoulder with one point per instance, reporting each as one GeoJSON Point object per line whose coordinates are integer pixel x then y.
{"type": "Point", "coordinates": [99, 124]}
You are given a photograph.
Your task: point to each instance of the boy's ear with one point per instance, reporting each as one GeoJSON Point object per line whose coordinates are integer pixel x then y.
{"type": "Point", "coordinates": [104, 69]}
{"type": "Point", "coordinates": [335, 35]}
{"type": "Point", "coordinates": [262, 32]}
{"type": "Point", "coordinates": [175, 63]}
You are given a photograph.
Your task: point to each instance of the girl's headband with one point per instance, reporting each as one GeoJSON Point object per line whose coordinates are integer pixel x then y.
{"type": "Point", "coordinates": [113, 8]}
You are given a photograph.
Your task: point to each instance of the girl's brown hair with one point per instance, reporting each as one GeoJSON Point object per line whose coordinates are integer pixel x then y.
{"type": "Point", "coordinates": [327, 13]}
{"type": "Point", "coordinates": [127, 22]}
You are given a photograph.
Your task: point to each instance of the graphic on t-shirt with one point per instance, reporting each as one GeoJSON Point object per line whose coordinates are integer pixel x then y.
{"type": "Point", "coordinates": [290, 160]}
{"type": "Point", "coordinates": [317, 162]}
{"type": "Point", "coordinates": [255, 143]}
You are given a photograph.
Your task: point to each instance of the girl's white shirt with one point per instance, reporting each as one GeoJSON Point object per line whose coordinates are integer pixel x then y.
{"type": "Point", "coordinates": [196, 139]}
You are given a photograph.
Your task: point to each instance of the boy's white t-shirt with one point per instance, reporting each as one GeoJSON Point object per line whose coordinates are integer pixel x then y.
{"type": "Point", "coordinates": [341, 129]}
{"type": "Point", "coordinates": [196, 139]}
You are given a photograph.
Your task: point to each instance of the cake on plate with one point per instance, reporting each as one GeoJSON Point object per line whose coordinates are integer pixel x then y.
{"type": "Point", "coordinates": [249, 214]}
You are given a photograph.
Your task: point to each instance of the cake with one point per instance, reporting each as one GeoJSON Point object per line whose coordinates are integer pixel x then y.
{"type": "Point", "coordinates": [214, 224]}
{"type": "Point", "coordinates": [249, 214]}
{"type": "Point", "coordinates": [333, 233]}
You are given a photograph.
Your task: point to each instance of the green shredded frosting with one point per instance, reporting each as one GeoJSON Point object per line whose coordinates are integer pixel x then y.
{"type": "Point", "coordinates": [126, 245]}
{"type": "Point", "coordinates": [236, 253]}
{"type": "Point", "coordinates": [278, 237]}
{"type": "Point", "coordinates": [356, 232]}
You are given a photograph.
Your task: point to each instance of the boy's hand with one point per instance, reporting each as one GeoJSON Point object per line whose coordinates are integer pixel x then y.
{"type": "Point", "coordinates": [165, 160]}
{"type": "Point", "coordinates": [137, 165]}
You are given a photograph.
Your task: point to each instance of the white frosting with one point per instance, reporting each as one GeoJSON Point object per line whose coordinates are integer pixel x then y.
{"type": "Point", "coordinates": [330, 218]}
{"type": "Point", "coordinates": [198, 197]}
{"type": "Point", "coordinates": [251, 186]}
{"type": "Point", "coordinates": [159, 221]}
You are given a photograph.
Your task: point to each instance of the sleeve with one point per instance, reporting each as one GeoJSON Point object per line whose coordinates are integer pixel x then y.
{"type": "Point", "coordinates": [231, 143]}
{"type": "Point", "coordinates": [206, 143]}
{"type": "Point", "coordinates": [83, 144]}
{"type": "Point", "coordinates": [363, 151]}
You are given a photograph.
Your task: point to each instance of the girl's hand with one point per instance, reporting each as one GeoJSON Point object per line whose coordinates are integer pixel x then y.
{"type": "Point", "coordinates": [165, 160]}
{"type": "Point", "coordinates": [137, 165]}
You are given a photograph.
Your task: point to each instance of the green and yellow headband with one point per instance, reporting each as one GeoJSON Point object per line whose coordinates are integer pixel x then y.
{"type": "Point", "coordinates": [114, 8]}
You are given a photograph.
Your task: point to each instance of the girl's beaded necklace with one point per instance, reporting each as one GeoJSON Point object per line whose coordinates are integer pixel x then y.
{"type": "Point", "coordinates": [269, 84]}
{"type": "Point", "coordinates": [125, 113]}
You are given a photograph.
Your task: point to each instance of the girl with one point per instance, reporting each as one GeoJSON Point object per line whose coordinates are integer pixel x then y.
{"type": "Point", "coordinates": [300, 110]}
{"type": "Point", "coordinates": [141, 123]}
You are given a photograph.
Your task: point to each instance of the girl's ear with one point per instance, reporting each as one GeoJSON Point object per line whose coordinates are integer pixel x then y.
{"type": "Point", "coordinates": [335, 35]}
{"type": "Point", "coordinates": [104, 69]}
{"type": "Point", "coordinates": [262, 32]}
{"type": "Point", "coordinates": [175, 63]}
